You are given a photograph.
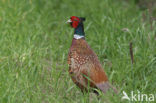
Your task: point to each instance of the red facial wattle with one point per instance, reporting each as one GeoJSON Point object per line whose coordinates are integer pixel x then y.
{"type": "Point", "coordinates": [75, 21]}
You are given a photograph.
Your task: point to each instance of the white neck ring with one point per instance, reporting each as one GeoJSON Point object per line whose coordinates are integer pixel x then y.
{"type": "Point", "coordinates": [76, 36]}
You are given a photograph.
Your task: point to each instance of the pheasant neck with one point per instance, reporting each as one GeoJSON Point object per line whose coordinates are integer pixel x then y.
{"type": "Point", "coordinates": [79, 32]}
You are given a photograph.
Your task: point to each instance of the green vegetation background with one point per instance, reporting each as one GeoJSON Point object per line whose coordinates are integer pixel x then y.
{"type": "Point", "coordinates": [34, 43]}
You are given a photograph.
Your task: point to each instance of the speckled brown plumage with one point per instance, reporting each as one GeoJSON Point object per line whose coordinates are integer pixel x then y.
{"type": "Point", "coordinates": [84, 65]}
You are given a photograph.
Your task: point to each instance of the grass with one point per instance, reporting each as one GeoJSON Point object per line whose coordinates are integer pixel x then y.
{"type": "Point", "coordinates": [34, 43]}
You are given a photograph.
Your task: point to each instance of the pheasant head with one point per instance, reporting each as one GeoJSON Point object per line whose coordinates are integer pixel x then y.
{"type": "Point", "coordinates": [77, 24]}
{"type": "Point", "coordinates": [75, 21]}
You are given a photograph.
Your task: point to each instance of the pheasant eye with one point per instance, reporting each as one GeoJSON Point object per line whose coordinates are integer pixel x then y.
{"type": "Point", "coordinates": [75, 19]}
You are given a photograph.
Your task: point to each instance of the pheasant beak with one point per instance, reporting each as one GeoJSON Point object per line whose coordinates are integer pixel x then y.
{"type": "Point", "coordinates": [69, 21]}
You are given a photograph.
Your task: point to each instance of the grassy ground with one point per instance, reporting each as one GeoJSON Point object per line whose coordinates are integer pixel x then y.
{"type": "Point", "coordinates": [34, 42]}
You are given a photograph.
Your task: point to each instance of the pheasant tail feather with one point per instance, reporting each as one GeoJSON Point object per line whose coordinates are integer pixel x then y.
{"type": "Point", "coordinates": [105, 86]}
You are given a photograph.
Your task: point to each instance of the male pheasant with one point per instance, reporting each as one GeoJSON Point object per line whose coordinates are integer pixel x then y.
{"type": "Point", "coordinates": [84, 66]}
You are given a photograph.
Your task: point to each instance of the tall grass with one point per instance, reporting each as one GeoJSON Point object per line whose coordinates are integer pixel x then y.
{"type": "Point", "coordinates": [34, 43]}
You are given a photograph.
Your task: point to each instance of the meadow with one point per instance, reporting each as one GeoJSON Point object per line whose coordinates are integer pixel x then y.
{"type": "Point", "coordinates": [35, 39]}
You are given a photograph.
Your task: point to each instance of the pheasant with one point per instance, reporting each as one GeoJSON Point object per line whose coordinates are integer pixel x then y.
{"type": "Point", "coordinates": [84, 66]}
